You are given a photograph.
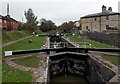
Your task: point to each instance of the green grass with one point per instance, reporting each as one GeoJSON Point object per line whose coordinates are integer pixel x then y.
{"type": "Point", "coordinates": [75, 38]}
{"type": "Point", "coordinates": [13, 75]}
{"type": "Point", "coordinates": [8, 36]}
{"type": "Point", "coordinates": [110, 66]}
{"type": "Point", "coordinates": [28, 61]}
{"type": "Point", "coordinates": [112, 58]}
{"type": "Point", "coordinates": [37, 43]}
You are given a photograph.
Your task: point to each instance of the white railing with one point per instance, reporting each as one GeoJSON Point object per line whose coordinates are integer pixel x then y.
{"type": "Point", "coordinates": [79, 44]}
{"type": "Point", "coordinates": [85, 44]}
{"type": "Point", "coordinates": [58, 44]}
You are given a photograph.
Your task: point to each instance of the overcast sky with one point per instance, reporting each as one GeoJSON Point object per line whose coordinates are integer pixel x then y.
{"type": "Point", "coordinates": [58, 11]}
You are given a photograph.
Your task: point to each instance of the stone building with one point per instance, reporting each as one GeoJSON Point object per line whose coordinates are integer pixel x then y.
{"type": "Point", "coordinates": [103, 21]}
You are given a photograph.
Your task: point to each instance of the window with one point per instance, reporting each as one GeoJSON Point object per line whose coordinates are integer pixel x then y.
{"type": "Point", "coordinates": [107, 17]}
{"type": "Point", "coordinates": [95, 19]}
{"type": "Point", "coordinates": [94, 28]}
{"type": "Point", "coordinates": [0, 20]}
{"type": "Point", "coordinates": [5, 21]}
{"type": "Point", "coordinates": [0, 27]}
{"type": "Point", "coordinates": [86, 27]}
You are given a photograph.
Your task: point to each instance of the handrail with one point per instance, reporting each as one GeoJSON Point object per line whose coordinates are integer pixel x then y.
{"type": "Point", "coordinates": [71, 49]}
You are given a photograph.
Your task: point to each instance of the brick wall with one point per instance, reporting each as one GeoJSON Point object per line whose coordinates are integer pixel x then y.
{"type": "Point", "coordinates": [8, 23]}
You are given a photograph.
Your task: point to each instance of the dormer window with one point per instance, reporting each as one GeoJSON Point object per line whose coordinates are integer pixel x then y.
{"type": "Point", "coordinates": [107, 17]}
{"type": "Point", "coordinates": [4, 21]}
{"type": "Point", "coordinates": [0, 20]}
{"type": "Point", "coordinates": [95, 19]}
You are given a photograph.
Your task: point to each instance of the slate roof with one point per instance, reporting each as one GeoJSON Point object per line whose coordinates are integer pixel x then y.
{"type": "Point", "coordinates": [6, 18]}
{"type": "Point", "coordinates": [100, 14]}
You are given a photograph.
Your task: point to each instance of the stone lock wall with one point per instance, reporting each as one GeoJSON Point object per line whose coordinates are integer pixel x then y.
{"type": "Point", "coordinates": [98, 72]}
{"type": "Point", "coordinates": [68, 63]}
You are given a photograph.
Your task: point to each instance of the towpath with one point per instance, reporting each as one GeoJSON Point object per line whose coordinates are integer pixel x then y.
{"type": "Point", "coordinates": [6, 44]}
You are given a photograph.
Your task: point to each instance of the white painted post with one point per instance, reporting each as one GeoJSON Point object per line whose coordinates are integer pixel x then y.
{"type": "Point", "coordinates": [8, 53]}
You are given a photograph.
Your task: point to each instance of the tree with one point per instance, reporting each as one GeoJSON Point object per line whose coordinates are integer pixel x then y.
{"type": "Point", "coordinates": [66, 27]}
{"type": "Point", "coordinates": [71, 23]}
{"type": "Point", "coordinates": [21, 26]}
{"type": "Point", "coordinates": [32, 22]}
{"type": "Point", "coordinates": [47, 25]}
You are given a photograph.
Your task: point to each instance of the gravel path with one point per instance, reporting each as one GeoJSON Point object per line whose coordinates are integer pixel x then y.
{"type": "Point", "coordinates": [6, 44]}
{"type": "Point", "coordinates": [11, 63]}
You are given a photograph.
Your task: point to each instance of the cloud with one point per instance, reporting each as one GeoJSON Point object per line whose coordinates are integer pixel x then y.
{"type": "Point", "coordinates": [58, 11]}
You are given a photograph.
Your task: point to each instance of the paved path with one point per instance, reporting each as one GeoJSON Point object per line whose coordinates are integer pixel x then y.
{"type": "Point", "coordinates": [108, 53]}
{"type": "Point", "coordinates": [6, 44]}
{"type": "Point", "coordinates": [40, 74]}
{"type": "Point", "coordinates": [11, 63]}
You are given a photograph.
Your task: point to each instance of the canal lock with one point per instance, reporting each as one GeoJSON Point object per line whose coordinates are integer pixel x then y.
{"type": "Point", "coordinates": [75, 67]}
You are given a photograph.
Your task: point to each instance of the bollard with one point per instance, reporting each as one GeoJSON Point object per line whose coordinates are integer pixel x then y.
{"type": "Point", "coordinates": [30, 41]}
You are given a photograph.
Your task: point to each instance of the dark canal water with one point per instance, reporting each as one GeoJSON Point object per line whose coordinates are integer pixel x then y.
{"type": "Point", "coordinates": [63, 79]}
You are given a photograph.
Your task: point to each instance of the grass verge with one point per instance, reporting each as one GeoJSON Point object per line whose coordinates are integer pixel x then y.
{"type": "Point", "coordinates": [8, 36]}
{"type": "Point", "coordinates": [13, 75]}
{"type": "Point", "coordinates": [75, 38]}
{"type": "Point", "coordinates": [28, 61]}
{"type": "Point", "coordinates": [37, 43]}
{"type": "Point", "coordinates": [112, 58]}
{"type": "Point", "coordinates": [101, 60]}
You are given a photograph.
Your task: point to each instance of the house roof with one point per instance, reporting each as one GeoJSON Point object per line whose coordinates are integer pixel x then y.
{"type": "Point", "coordinates": [0, 16]}
{"type": "Point", "coordinates": [6, 18]}
{"type": "Point", "coordinates": [100, 14]}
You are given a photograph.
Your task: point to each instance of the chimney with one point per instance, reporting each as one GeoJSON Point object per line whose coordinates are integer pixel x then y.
{"type": "Point", "coordinates": [7, 9]}
{"type": "Point", "coordinates": [110, 9]}
{"type": "Point", "coordinates": [104, 8]}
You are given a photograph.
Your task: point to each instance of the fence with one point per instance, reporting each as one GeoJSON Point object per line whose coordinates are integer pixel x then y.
{"type": "Point", "coordinates": [111, 39]}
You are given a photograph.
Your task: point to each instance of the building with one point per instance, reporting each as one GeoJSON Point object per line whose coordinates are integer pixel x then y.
{"type": "Point", "coordinates": [8, 23]}
{"type": "Point", "coordinates": [103, 21]}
